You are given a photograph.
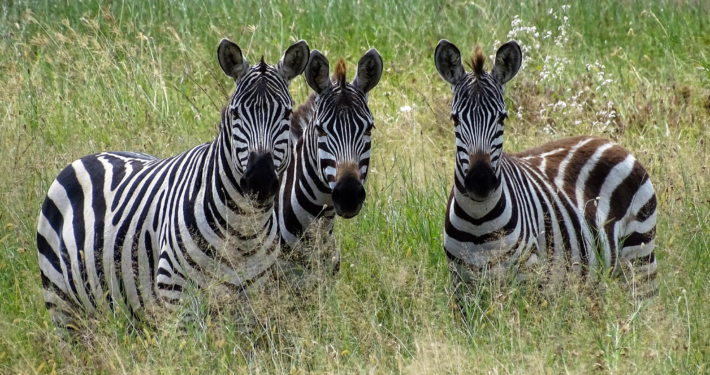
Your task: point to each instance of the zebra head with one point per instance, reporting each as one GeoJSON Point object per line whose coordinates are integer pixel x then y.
{"type": "Point", "coordinates": [258, 117]}
{"type": "Point", "coordinates": [478, 111]}
{"type": "Point", "coordinates": [343, 124]}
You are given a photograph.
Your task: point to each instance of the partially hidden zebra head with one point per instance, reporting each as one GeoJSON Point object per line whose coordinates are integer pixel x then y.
{"type": "Point", "coordinates": [343, 125]}
{"type": "Point", "coordinates": [478, 111]}
{"type": "Point", "coordinates": [259, 116]}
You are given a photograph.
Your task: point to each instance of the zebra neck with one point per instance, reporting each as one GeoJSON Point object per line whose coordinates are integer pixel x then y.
{"type": "Point", "coordinates": [302, 117]}
{"type": "Point", "coordinates": [311, 175]}
{"type": "Point", "coordinates": [480, 209]}
{"type": "Point", "coordinates": [303, 196]}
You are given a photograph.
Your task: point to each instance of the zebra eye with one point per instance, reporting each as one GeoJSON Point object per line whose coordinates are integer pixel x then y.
{"type": "Point", "coordinates": [321, 132]}
{"type": "Point", "coordinates": [502, 118]}
{"type": "Point", "coordinates": [455, 117]}
{"type": "Point", "coordinates": [368, 130]}
{"type": "Point", "coordinates": [287, 113]}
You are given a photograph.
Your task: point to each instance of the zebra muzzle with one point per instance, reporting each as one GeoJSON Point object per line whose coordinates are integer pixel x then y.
{"type": "Point", "coordinates": [348, 194]}
{"type": "Point", "coordinates": [260, 179]}
{"type": "Point", "coordinates": [480, 180]}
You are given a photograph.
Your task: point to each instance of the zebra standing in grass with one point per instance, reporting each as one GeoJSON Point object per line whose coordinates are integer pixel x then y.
{"type": "Point", "coordinates": [580, 204]}
{"type": "Point", "coordinates": [131, 231]}
{"type": "Point", "coordinates": [330, 164]}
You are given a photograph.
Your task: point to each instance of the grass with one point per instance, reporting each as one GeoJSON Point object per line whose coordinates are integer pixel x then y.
{"type": "Point", "coordinates": [84, 77]}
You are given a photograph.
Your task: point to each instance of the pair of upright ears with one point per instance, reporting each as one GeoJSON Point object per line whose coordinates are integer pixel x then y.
{"type": "Point", "coordinates": [235, 65]}
{"type": "Point", "coordinates": [297, 59]}
{"type": "Point", "coordinates": [369, 72]}
{"type": "Point", "coordinates": [448, 62]}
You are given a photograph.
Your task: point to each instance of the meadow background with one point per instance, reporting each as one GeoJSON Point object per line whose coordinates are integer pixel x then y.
{"type": "Point", "coordinates": [80, 77]}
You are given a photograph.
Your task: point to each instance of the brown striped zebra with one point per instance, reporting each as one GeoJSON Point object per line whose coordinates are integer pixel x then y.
{"type": "Point", "coordinates": [581, 204]}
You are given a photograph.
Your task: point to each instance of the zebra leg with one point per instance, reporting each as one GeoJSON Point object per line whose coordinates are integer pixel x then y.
{"type": "Point", "coordinates": [62, 312]}
{"type": "Point", "coordinates": [192, 301]}
{"type": "Point", "coordinates": [637, 248]}
{"type": "Point", "coordinates": [56, 274]}
{"type": "Point", "coordinates": [291, 273]}
{"type": "Point", "coordinates": [466, 287]}
{"type": "Point", "coordinates": [313, 261]}
{"type": "Point", "coordinates": [170, 286]}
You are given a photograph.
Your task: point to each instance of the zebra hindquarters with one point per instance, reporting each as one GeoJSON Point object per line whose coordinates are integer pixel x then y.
{"type": "Point", "coordinates": [61, 234]}
{"type": "Point", "coordinates": [625, 215]}
{"type": "Point", "coordinates": [83, 272]}
{"type": "Point", "coordinates": [636, 243]}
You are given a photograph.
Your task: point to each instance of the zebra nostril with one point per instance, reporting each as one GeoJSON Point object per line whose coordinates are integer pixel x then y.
{"type": "Point", "coordinates": [361, 195]}
{"type": "Point", "coordinates": [336, 194]}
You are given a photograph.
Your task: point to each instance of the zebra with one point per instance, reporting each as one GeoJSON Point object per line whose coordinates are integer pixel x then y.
{"type": "Point", "coordinates": [130, 231]}
{"type": "Point", "coordinates": [332, 131]}
{"type": "Point", "coordinates": [581, 204]}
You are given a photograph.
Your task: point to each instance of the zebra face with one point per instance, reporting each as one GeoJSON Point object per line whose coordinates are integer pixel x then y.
{"type": "Point", "coordinates": [343, 125]}
{"type": "Point", "coordinates": [478, 111]}
{"type": "Point", "coordinates": [259, 116]}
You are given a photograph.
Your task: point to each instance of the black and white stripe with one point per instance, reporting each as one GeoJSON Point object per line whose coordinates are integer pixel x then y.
{"type": "Point", "coordinates": [580, 204]}
{"type": "Point", "coordinates": [331, 156]}
{"type": "Point", "coordinates": [131, 231]}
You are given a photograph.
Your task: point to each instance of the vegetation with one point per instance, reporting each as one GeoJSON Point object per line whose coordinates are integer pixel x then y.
{"type": "Point", "coordinates": [80, 77]}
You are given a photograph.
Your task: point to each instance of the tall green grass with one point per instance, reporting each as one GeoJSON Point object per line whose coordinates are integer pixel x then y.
{"type": "Point", "coordinates": [84, 77]}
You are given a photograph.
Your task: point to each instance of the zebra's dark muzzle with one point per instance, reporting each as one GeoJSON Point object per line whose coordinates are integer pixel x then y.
{"type": "Point", "coordinates": [348, 196]}
{"type": "Point", "coordinates": [260, 179]}
{"type": "Point", "coordinates": [480, 180]}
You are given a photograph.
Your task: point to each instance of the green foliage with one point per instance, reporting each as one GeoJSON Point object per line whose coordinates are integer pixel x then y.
{"type": "Point", "coordinates": [80, 77]}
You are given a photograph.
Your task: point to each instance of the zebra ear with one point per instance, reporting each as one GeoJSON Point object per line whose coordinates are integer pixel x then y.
{"type": "Point", "coordinates": [317, 72]}
{"type": "Point", "coordinates": [508, 60]}
{"type": "Point", "coordinates": [231, 59]}
{"type": "Point", "coordinates": [447, 59]}
{"type": "Point", "coordinates": [294, 61]}
{"type": "Point", "coordinates": [369, 71]}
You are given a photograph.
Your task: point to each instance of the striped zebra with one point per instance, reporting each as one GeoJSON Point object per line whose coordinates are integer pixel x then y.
{"type": "Point", "coordinates": [581, 204]}
{"type": "Point", "coordinates": [129, 231]}
{"type": "Point", "coordinates": [330, 164]}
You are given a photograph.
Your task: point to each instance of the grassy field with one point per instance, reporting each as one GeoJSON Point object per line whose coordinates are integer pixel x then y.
{"type": "Point", "coordinates": [79, 77]}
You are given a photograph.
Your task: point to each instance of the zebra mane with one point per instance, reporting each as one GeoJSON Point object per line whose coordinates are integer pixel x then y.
{"type": "Point", "coordinates": [223, 116]}
{"type": "Point", "coordinates": [262, 65]}
{"type": "Point", "coordinates": [339, 75]}
{"type": "Point", "coordinates": [477, 61]}
{"type": "Point", "coordinates": [301, 116]}
{"type": "Point", "coordinates": [343, 98]}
